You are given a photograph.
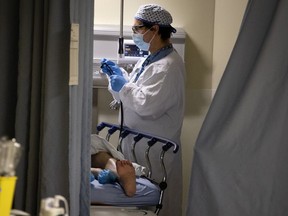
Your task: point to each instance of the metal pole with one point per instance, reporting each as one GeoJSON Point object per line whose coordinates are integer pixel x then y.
{"type": "Point", "coordinates": [121, 39]}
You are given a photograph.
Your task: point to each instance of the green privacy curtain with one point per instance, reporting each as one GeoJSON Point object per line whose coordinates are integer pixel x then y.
{"type": "Point", "coordinates": [240, 159]}
{"type": "Point", "coordinates": [49, 118]}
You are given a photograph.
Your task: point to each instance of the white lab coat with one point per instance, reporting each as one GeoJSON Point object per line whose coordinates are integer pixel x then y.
{"type": "Point", "coordinates": [155, 104]}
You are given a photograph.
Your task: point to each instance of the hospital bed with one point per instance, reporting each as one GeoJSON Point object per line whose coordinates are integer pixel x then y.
{"type": "Point", "coordinates": [149, 190]}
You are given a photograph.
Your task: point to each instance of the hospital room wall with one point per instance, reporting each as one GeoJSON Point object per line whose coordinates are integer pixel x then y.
{"type": "Point", "coordinates": [211, 29]}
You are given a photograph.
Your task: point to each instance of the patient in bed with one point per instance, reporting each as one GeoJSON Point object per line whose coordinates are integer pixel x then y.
{"type": "Point", "coordinates": [107, 169]}
{"type": "Point", "coordinates": [114, 174]}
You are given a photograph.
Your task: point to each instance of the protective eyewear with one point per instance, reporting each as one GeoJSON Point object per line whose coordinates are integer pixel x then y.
{"type": "Point", "coordinates": [137, 28]}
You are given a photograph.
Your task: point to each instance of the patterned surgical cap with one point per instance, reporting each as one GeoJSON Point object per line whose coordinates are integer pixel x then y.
{"type": "Point", "coordinates": [154, 14]}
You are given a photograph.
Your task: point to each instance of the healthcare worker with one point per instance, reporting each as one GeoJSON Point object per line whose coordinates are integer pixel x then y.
{"type": "Point", "coordinates": [152, 95]}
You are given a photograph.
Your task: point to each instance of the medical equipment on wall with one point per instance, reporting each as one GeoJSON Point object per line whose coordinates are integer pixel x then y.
{"type": "Point", "coordinates": [106, 45]}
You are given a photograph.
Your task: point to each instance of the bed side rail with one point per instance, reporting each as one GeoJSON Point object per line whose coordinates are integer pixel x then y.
{"type": "Point", "coordinates": [138, 136]}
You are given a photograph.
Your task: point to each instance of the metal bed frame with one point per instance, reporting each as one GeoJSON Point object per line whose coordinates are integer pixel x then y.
{"type": "Point", "coordinates": [151, 140]}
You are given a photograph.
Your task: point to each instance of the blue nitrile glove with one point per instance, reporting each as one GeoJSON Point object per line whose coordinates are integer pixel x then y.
{"type": "Point", "coordinates": [117, 82]}
{"type": "Point", "coordinates": [92, 177]}
{"type": "Point", "coordinates": [106, 177]}
{"type": "Point", "coordinates": [110, 68]}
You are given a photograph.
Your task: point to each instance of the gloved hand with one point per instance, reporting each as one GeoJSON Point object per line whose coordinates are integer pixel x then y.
{"type": "Point", "coordinates": [107, 177]}
{"type": "Point", "coordinates": [110, 68]}
{"type": "Point", "coordinates": [92, 177]}
{"type": "Point", "coordinates": [117, 82]}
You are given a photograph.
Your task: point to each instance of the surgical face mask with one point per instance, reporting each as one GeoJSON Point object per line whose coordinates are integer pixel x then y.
{"type": "Point", "coordinates": [139, 41]}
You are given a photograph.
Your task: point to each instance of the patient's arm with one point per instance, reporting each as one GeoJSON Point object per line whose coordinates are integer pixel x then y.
{"type": "Point", "coordinates": [123, 169]}
{"type": "Point", "coordinates": [104, 160]}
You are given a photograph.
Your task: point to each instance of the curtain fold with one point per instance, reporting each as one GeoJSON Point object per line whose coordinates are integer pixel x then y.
{"type": "Point", "coordinates": [9, 18]}
{"type": "Point", "coordinates": [81, 12]}
{"type": "Point", "coordinates": [240, 157]}
{"type": "Point", "coordinates": [28, 137]}
{"type": "Point", "coordinates": [50, 119]}
{"type": "Point", "coordinates": [42, 116]}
